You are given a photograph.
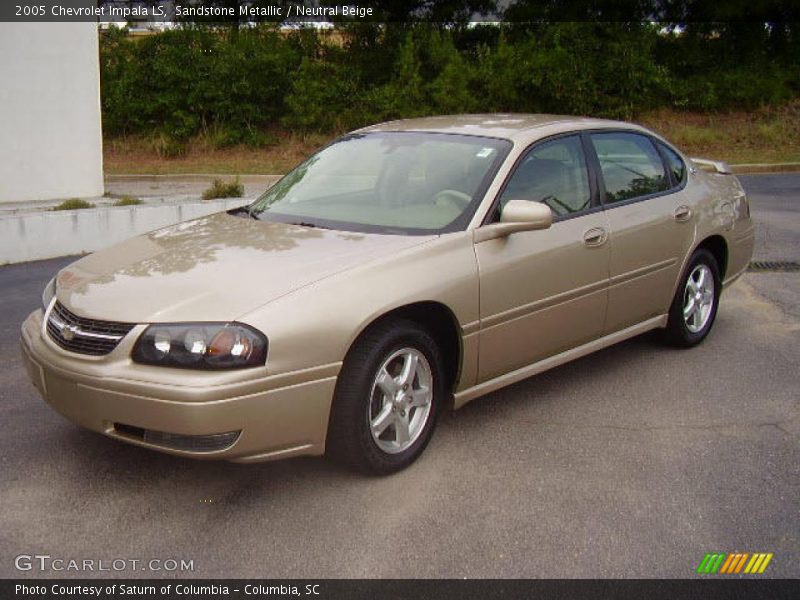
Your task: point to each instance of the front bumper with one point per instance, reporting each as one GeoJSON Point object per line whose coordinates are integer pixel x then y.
{"type": "Point", "coordinates": [278, 416]}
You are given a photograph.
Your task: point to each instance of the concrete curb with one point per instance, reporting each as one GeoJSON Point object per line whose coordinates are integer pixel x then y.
{"type": "Point", "coordinates": [756, 168]}
{"type": "Point", "coordinates": [191, 177]}
{"type": "Point", "coordinates": [47, 234]}
{"type": "Point", "coordinates": [149, 189]}
{"type": "Point", "coordinates": [31, 231]}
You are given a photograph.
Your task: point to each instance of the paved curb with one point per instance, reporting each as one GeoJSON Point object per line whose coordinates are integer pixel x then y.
{"type": "Point", "coordinates": [48, 234]}
{"type": "Point", "coordinates": [756, 168]}
{"type": "Point", "coordinates": [31, 231]}
{"type": "Point", "coordinates": [202, 177]}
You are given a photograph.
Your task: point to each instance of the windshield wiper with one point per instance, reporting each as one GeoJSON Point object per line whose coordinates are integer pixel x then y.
{"type": "Point", "coordinates": [243, 211]}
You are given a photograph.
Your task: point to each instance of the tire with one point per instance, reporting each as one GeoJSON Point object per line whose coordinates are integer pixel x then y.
{"type": "Point", "coordinates": [694, 307]}
{"type": "Point", "coordinates": [382, 417]}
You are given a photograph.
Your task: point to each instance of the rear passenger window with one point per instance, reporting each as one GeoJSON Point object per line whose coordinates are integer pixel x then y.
{"type": "Point", "coordinates": [630, 164]}
{"type": "Point", "coordinates": [676, 164]}
{"type": "Point", "coordinates": [555, 174]}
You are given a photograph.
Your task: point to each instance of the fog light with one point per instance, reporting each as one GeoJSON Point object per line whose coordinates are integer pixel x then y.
{"type": "Point", "coordinates": [212, 442]}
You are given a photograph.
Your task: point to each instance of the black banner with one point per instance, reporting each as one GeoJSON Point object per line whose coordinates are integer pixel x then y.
{"type": "Point", "coordinates": [447, 589]}
{"type": "Point", "coordinates": [289, 12]}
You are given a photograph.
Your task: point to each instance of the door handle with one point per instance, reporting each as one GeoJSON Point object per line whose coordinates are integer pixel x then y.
{"type": "Point", "coordinates": [682, 214]}
{"type": "Point", "coordinates": [596, 236]}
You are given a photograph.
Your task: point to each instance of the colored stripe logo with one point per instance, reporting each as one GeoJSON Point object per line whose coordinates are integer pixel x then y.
{"type": "Point", "coordinates": [734, 563]}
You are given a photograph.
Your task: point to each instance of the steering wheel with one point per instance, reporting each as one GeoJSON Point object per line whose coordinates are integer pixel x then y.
{"type": "Point", "coordinates": [452, 198]}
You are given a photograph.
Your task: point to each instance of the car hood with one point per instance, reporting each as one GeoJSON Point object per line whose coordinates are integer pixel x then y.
{"type": "Point", "coordinates": [215, 268]}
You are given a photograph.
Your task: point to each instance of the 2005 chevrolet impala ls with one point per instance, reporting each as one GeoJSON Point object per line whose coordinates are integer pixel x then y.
{"type": "Point", "coordinates": [406, 268]}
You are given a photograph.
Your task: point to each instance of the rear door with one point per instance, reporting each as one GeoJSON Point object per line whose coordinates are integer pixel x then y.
{"type": "Point", "coordinates": [543, 292]}
{"type": "Point", "coordinates": [651, 225]}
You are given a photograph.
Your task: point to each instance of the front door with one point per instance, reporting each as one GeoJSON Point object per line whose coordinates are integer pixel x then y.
{"type": "Point", "coordinates": [543, 292]}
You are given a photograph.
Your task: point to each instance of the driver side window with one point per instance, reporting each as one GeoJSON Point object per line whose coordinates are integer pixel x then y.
{"type": "Point", "coordinates": [555, 174]}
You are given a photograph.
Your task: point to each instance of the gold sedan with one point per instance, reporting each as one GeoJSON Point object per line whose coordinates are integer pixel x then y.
{"type": "Point", "coordinates": [406, 268]}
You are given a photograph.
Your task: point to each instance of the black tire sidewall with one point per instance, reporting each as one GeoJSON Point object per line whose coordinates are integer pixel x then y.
{"type": "Point", "coordinates": [350, 434]}
{"type": "Point", "coordinates": [677, 330]}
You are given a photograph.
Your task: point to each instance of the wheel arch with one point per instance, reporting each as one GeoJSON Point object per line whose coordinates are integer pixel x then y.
{"type": "Point", "coordinates": [676, 329]}
{"type": "Point", "coordinates": [440, 322]}
{"type": "Point", "coordinates": [714, 243]}
{"type": "Point", "coordinates": [718, 247]}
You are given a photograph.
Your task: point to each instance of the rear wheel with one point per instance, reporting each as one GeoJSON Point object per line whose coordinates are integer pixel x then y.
{"type": "Point", "coordinates": [694, 306]}
{"type": "Point", "coordinates": [387, 398]}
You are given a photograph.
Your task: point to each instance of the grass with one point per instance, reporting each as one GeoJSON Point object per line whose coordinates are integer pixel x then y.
{"type": "Point", "coordinates": [224, 189]}
{"type": "Point", "coordinates": [762, 136]}
{"type": "Point", "coordinates": [73, 204]}
{"type": "Point", "coordinates": [137, 155]}
{"type": "Point", "coordinates": [128, 201]}
{"type": "Point", "coordinates": [768, 135]}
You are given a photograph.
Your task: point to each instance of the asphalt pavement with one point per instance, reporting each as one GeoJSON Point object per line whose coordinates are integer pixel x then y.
{"type": "Point", "coordinates": [633, 462]}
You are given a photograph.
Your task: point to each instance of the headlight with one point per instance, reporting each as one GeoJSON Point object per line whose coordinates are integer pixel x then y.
{"type": "Point", "coordinates": [201, 346]}
{"type": "Point", "coordinates": [48, 293]}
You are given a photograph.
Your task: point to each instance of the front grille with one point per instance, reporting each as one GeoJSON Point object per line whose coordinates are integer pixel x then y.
{"type": "Point", "coordinates": [84, 336]}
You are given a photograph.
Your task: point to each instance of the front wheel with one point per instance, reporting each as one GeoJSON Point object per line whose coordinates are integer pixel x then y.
{"type": "Point", "coordinates": [387, 398]}
{"type": "Point", "coordinates": [694, 306]}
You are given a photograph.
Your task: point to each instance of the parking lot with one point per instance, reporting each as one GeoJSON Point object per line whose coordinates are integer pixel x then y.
{"type": "Point", "coordinates": [632, 462]}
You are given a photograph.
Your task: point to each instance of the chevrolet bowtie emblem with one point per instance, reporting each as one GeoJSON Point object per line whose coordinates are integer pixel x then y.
{"type": "Point", "coordinates": [68, 332]}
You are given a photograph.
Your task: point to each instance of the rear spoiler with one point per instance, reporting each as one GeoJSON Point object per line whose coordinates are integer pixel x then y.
{"type": "Point", "coordinates": [718, 165]}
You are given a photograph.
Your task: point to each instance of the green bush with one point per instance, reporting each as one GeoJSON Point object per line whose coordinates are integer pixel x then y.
{"type": "Point", "coordinates": [223, 189]}
{"type": "Point", "coordinates": [128, 201]}
{"type": "Point", "coordinates": [73, 204]}
{"type": "Point", "coordinates": [175, 83]}
{"type": "Point", "coordinates": [226, 136]}
{"type": "Point", "coordinates": [237, 86]}
{"type": "Point", "coordinates": [320, 95]}
{"type": "Point", "coordinates": [166, 146]}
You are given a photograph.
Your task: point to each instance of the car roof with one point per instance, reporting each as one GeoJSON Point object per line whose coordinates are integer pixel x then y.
{"type": "Point", "coordinates": [515, 127]}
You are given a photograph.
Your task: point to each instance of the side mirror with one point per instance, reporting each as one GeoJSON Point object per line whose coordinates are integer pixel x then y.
{"type": "Point", "coordinates": [517, 215]}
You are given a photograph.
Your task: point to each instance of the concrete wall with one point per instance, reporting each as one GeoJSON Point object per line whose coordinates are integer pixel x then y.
{"type": "Point", "coordinates": [47, 234]}
{"type": "Point", "coordinates": [50, 132]}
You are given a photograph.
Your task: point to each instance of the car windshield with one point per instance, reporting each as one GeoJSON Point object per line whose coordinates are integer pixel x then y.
{"type": "Point", "coordinates": [387, 182]}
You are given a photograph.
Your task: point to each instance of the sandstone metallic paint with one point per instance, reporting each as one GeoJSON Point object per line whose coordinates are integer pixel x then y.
{"type": "Point", "coordinates": [213, 268]}
{"type": "Point", "coordinates": [522, 303]}
{"type": "Point", "coordinates": [541, 292]}
{"type": "Point", "coordinates": [647, 248]}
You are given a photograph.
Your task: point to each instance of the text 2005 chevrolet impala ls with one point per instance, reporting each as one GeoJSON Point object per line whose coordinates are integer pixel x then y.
{"type": "Point", "coordinates": [406, 268]}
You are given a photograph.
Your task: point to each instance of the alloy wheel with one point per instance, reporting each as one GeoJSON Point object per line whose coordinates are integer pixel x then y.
{"type": "Point", "coordinates": [400, 400]}
{"type": "Point", "coordinates": [698, 298]}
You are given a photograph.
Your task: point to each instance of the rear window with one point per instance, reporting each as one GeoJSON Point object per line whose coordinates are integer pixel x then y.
{"type": "Point", "coordinates": [676, 164]}
{"type": "Point", "coordinates": [630, 164]}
